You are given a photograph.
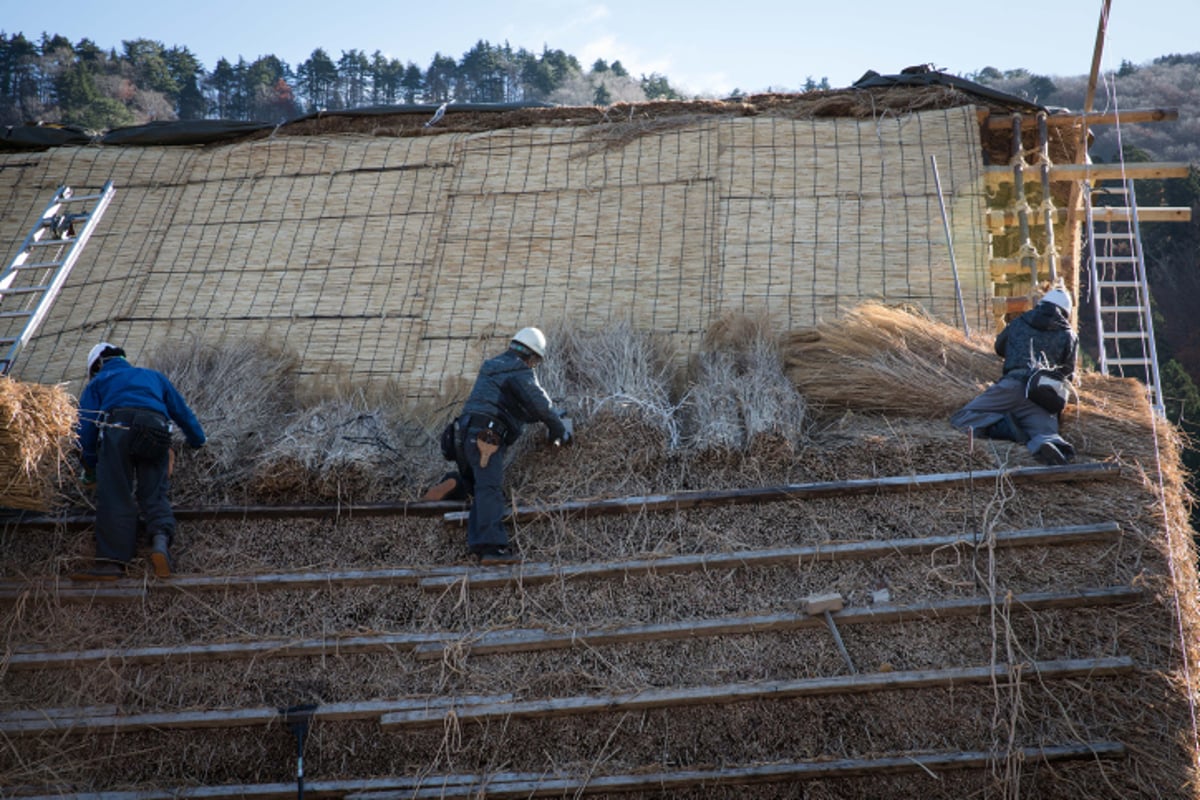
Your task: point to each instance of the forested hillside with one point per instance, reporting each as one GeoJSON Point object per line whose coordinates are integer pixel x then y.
{"type": "Point", "coordinates": [50, 80]}
{"type": "Point", "coordinates": [54, 81]}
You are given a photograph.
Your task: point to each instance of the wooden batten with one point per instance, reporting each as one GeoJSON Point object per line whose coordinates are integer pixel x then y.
{"type": "Point", "coordinates": [1000, 219]}
{"type": "Point", "coordinates": [997, 176]}
{"type": "Point", "coordinates": [998, 122]}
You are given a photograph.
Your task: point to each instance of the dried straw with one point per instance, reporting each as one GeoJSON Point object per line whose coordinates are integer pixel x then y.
{"type": "Point", "coordinates": [36, 429]}
{"type": "Point", "coordinates": [737, 390]}
{"type": "Point", "coordinates": [886, 359]}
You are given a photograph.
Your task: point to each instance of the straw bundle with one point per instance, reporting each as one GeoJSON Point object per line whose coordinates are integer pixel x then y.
{"type": "Point", "coordinates": [342, 449]}
{"type": "Point", "coordinates": [737, 391]}
{"type": "Point", "coordinates": [240, 391]}
{"type": "Point", "coordinates": [36, 426]}
{"type": "Point", "coordinates": [615, 370]}
{"type": "Point", "coordinates": [886, 359]}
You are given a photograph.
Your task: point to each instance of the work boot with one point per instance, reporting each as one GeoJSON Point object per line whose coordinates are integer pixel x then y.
{"type": "Point", "coordinates": [100, 571]}
{"type": "Point", "coordinates": [445, 489]}
{"type": "Point", "coordinates": [160, 555]}
{"type": "Point", "coordinates": [496, 556]}
{"type": "Point", "coordinates": [1050, 455]}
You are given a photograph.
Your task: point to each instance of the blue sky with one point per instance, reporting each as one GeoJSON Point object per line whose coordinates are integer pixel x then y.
{"type": "Point", "coordinates": [703, 47]}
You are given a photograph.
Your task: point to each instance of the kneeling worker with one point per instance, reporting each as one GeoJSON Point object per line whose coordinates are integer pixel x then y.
{"type": "Point", "coordinates": [506, 396]}
{"type": "Point", "coordinates": [1039, 350]}
{"type": "Point", "coordinates": [125, 440]}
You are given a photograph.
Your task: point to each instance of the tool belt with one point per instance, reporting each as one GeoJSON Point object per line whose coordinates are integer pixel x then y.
{"type": "Point", "coordinates": [490, 433]}
{"type": "Point", "coordinates": [484, 422]}
{"type": "Point", "coordinates": [149, 432]}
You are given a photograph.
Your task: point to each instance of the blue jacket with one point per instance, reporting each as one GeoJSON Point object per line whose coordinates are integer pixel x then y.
{"type": "Point", "coordinates": [119, 384]}
{"type": "Point", "coordinates": [507, 389]}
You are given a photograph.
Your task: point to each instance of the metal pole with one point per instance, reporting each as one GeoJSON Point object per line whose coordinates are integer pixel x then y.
{"type": "Point", "coordinates": [937, 181]}
{"type": "Point", "coordinates": [837, 637]}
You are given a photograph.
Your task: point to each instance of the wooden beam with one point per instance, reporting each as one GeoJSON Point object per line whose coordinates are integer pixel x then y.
{"type": "Point", "coordinates": [1001, 268]}
{"type": "Point", "coordinates": [364, 787]}
{"type": "Point", "coordinates": [224, 651]}
{"type": "Point", "coordinates": [523, 640]}
{"type": "Point", "coordinates": [428, 646]}
{"type": "Point", "coordinates": [135, 588]}
{"type": "Point", "coordinates": [1151, 214]}
{"type": "Point", "coordinates": [417, 508]}
{"type": "Point", "coordinates": [532, 573]}
{"type": "Point", "coordinates": [81, 721]}
{"type": "Point", "coordinates": [721, 694]}
{"type": "Point", "coordinates": [471, 786]}
{"type": "Point", "coordinates": [679, 501]}
{"type": "Point", "coordinates": [929, 764]}
{"type": "Point", "coordinates": [1003, 122]}
{"type": "Point", "coordinates": [999, 219]}
{"type": "Point", "coordinates": [60, 591]}
{"type": "Point", "coordinates": [1003, 306]}
{"type": "Point", "coordinates": [997, 176]}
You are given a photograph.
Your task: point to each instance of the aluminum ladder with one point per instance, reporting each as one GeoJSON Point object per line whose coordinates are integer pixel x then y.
{"type": "Point", "coordinates": [1121, 293]}
{"type": "Point", "coordinates": [29, 285]}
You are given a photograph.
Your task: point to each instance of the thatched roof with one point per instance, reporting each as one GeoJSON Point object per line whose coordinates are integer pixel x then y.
{"type": "Point", "coordinates": [1006, 636]}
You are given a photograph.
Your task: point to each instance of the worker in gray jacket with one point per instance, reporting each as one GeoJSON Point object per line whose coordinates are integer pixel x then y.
{"type": "Point", "coordinates": [506, 397]}
{"type": "Point", "coordinates": [1039, 349]}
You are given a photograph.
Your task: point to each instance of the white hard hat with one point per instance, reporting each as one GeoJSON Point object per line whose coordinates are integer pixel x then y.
{"type": "Point", "coordinates": [1059, 297]}
{"type": "Point", "coordinates": [532, 339]}
{"type": "Point", "coordinates": [95, 353]}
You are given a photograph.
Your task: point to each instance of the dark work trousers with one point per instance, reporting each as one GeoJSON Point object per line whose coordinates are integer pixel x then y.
{"type": "Point", "coordinates": [125, 486]}
{"type": "Point", "coordinates": [1007, 396]}
{"type": "Point", "coordinates": [485, 523]}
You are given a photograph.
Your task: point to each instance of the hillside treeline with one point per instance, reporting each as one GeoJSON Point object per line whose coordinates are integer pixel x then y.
{"type": "Point", "coordinates": [54, 80]}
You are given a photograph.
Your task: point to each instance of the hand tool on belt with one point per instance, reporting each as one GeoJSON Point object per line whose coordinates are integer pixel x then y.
{"type": "Point", "coordinates": [489, 438]}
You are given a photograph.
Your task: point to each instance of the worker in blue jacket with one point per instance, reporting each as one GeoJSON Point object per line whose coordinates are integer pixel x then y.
{"type": "Point", "coordinates": [506, 397]}
{"type": "Point", "coordinates": [124, 430]}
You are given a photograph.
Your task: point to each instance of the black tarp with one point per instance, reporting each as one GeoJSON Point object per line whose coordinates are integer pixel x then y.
{"type": "Point", "coordinates": [184, 132]}
{"type": "Point", "coordinates": [42, 137]}
{"type": "Point", "coordinates": [923, 76]}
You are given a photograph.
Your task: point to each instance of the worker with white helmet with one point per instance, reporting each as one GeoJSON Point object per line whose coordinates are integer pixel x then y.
{"type": "Point", "coordinates": [506, 397]}
{"type": "Point", "coordinates": [1039, 349]}
{"type": "Point", "coordinates": [124, 437]}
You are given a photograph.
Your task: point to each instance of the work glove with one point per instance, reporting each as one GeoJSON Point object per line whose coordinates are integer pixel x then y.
{"type": "Point", "coordinates": [568, 432]}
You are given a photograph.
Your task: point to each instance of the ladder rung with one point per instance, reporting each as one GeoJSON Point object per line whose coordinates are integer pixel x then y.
{"type": "Point", "coordinates": [23, 290]}
{"type": "Point", "coordinates": [53, 242]}
{"type": "Point", "coordinates": [1118, 284]}
{"type": "Point", "coordinates": [38, 265]}
{"type": "Point", "coordinates": [7, 340]}
{"type": "Point", "coordinates": [1124, 335]}
{"type": "Point", "coordinates": [8, 314]}
{"type": "Point", "coordinates": [1129, 362]}
{"type": "Point", "coordinates": [1121, 309]}
{"type": "Point", "coordinates": [1116, 259]}
{"type": "Point", "coordinates": [83, 198]}
{"type": "Point", "coordinates": [1118, 236]}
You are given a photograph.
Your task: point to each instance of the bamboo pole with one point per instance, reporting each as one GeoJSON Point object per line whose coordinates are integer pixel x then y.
{"type": "Point", "coordinates": [679, 501]}
{"type": "Point", "coordinates": [721, 694]}
{"type": "Point", "coordinates": [529, 574]}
